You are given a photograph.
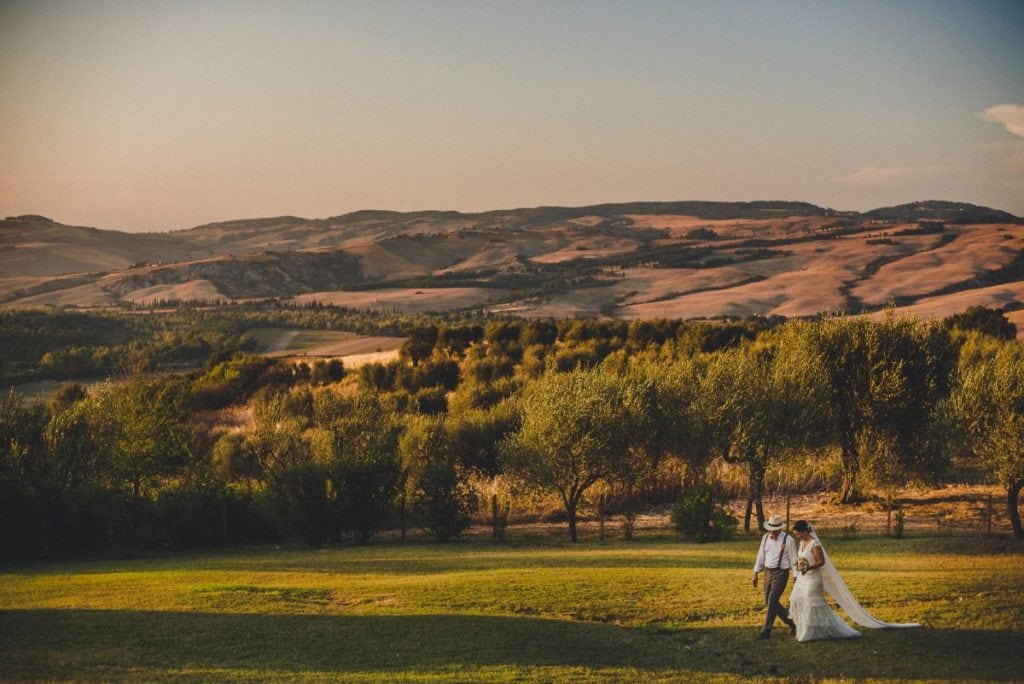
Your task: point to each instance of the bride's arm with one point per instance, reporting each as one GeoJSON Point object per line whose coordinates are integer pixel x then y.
{"type": "Point", "coordinates": [819, 557]}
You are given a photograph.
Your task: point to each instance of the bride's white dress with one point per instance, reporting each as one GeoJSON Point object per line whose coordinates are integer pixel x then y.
{"type": "Point", "coordinates": [808, 607]}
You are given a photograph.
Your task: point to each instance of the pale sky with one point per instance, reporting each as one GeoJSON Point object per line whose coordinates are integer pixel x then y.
{"type": "Point", "coordinates": [138, 115]}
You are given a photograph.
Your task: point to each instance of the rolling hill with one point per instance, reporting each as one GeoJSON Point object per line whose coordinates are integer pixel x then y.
{"type": "Point", "coordinates": [633, 260]}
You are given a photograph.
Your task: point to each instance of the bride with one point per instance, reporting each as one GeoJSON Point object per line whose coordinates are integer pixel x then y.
{"type": "Point", "coordinates": [807, 605]}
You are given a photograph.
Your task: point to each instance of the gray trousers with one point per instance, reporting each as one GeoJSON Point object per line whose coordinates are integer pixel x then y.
{"type": "Point", "coordinates": [775, 581]}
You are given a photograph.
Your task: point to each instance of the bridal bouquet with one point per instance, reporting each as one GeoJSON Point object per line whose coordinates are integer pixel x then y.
{"type": "Point", "coordinates": [802, 565]}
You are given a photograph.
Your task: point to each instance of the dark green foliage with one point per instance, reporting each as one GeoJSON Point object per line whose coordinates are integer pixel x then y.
{"type": "Point", "coordinates": [453, 340]}
{"type": "Point", "coordinates": [326, 372]}
{"type": "Point", "coordinates": [139, 428]}
{"type": "Point", "coordinates": [235, 380]}
{"type": "Point", "coordinates": [702, 514]}
{"type": "Point", "coordinates": [538, 332]}
{"type": "Point", "coordinates": [68, 394]}
{"type": "Point", "coordinates": [475, 436]}
{"type": "Point", "coordinates": [709, 337]}
{"type": "Point", "coordinates": [991, 322]}
{"type": "Point", "coordinates": [645, 333]}
{"type": "Point", "coordinates": [586, 329]}
{"type": "Point", "coordinates": [365, 490]}
{"type": "Point", "coordinates": [433, 373]}
{"type": "Point", "coordinates": [443, 502]}
{"type": "Point", "coordinates": [503, 333]}
{"type": "Point", "coordinates": [988, 407]}
{"type": "Point", "coordinates": [701, 234]}
{"type": "Point", "coordinates": [206, 514]}
{"type": "Point", "coordinates": [577, 429]}
{"type": "Point", "coordinates": [934, 210]}
{"type": "Point", "coordinates": [26, 335]}
{"type": "Point", "coordinates": [419, 343]}
{"type": "Point", "coordinates": [378, 377]}
{"type": "Point", "coordinates": [303, 498]}
{"type": "Point", "coordinates": [487, 367]}
{"type": "Point", "coordinates": [582, 355]}
{"type": "Point", "coordinates": [885, 384]}
{"type": "Point", "coordinates": [361, 458]}
{"type": "Point", "coordinates": [430, 400]}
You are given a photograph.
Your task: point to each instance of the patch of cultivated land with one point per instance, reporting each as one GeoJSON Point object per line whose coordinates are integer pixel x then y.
{"type": "Point", "coordinates": [974, 251]}
{"type": "Point", "coordinates": [88, 295]}
{"type": "Point", "coordinates": [585, 302]}
{"type": "Point", "coordinates": [788, 259]}
{"type": "Point", "coordinates": [333, 343]}
{"type": "Point", "coordinates": [202, 290]}
{"type": "Point", "coordinates": [995, 296]}
{"type": "Point", "coordinates": [407, 299]}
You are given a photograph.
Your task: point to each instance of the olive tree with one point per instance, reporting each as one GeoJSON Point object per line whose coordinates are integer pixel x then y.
{"type": "Point", "coordinates": [474, 437]}
{"type": "Point", "coordinates": [577, 428]}
{"type": "Point", "coordinates": [443, 503]}
{"type": "Point", "coordinates": [359, 448]}
{"type": "Point", "coordinates": [678, 424]}
{"type": "Point", "coordinates": [763, 402]}
{"type": "Point", "coordinates": [988, 400]}
{"type": "Point", "coordinates": [299, 485]}
{"type": "Point", "coordinates": [885, 384]}
{"type": "Point", "coordinates": [139, 427]}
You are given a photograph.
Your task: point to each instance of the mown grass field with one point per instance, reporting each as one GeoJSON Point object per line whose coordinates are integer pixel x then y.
{"type": "Point", "coordinates": [535, 609]}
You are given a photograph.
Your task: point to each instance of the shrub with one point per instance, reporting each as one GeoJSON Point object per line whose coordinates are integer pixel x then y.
{"type": "Point", "coordinates": [303, 499]}
{"type": "Point", "coordinates": [365, 490]}
{"type": "Point", "coordinates": [702, 515]}
{"type": "Point", "coordinates": [443, 502]}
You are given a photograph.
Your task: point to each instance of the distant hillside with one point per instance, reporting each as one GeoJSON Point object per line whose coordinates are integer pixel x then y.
{"type": "Point", "coordinates": [290, 232]}
{"type": "Point", "coordinates": [264, 275]}
{"type": "Point", "coordinates": [630, 260]}
{"type": "Point", "coordinates": [36, 245]}
{"type": "Point", "coordinates": [947, 212]}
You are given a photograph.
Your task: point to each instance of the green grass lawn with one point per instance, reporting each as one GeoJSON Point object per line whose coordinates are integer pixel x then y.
{"type": "Point", "coordinates": [532, 609]}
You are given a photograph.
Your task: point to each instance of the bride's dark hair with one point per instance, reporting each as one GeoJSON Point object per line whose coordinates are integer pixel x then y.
{"type": "Point", "coordinates": [801, 526]}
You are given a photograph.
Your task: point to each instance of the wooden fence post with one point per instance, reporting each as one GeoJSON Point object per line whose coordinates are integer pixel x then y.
{"type": "Point", "coordinates": [888, 515]}
{"type": "Point", "coordinates": [988, 515]}
{"type": "Point", "coordinates": [787, 508]}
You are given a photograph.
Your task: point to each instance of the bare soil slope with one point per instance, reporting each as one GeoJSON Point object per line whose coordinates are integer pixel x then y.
{"type": "Point", "coordinates": [638, 260]}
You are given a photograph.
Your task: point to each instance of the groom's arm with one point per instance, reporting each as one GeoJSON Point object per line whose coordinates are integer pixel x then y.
{"type": "Point", "coordinates": [759, 563]}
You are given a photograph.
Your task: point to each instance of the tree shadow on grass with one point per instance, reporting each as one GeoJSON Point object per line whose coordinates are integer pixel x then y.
{"type": "Point", "coordinates": [74, 644]}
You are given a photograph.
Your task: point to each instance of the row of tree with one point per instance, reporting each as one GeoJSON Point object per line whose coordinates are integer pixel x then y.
{"type": "Point", "coordinates": [568, 409]}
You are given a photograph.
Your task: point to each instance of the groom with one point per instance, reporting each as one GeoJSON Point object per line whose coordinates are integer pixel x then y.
{"type": "Point", "coordinates": [776, 556]}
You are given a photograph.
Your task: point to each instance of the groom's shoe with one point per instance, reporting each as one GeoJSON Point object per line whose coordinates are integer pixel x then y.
{"type": "Point", "coordinates": [764, 635]}
{"type": "Point", "coordinates": [792, 626]}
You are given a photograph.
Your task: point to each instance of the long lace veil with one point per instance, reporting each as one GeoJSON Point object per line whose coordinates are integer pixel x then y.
{"type": "Point", "coordinates": [842, 595]}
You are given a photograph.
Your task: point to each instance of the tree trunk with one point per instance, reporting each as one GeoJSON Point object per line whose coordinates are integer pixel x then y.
{"type": "Point", "coordinates": [756, 470]}
{"type": "Point", "coordinates": [1012, 500]}
{"type": "Point", "coordinates": [848, 492]}
{"type": "Point", "coordinates": [401, 512]}
{"type": "Point", "coordinates": [746, 514]}
{"type": "Point", "coordinates": [570, 514]}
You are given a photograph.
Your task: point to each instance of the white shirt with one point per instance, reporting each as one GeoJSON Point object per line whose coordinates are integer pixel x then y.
{"type": "Point", "coordinates": [776, 553]}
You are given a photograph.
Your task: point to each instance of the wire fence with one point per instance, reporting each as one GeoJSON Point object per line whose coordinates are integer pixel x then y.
{"type": "Point", "coordinates": [951, 509]}
{"type": "Point", "coordinates": [954, 508]}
